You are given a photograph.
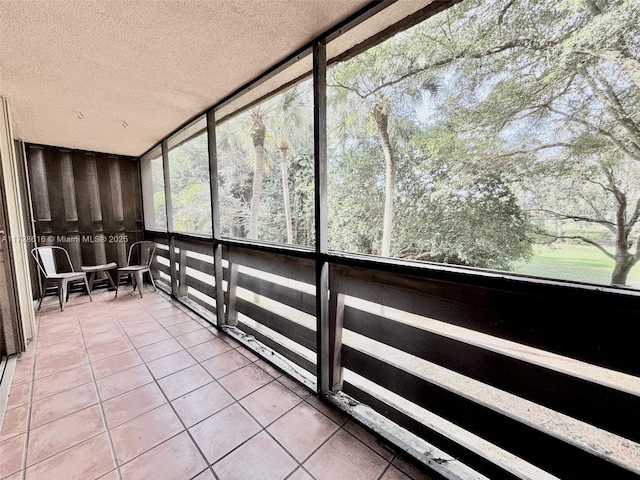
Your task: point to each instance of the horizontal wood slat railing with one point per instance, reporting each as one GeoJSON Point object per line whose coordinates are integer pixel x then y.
{"type": "Point", "coordinates": [272, 301]}
{"type": "Point", "coordinates": [456, 450]}
{"type": "Point", "coordinates": [298, 333]}
{"type": "Point", "coordinates": [600, 405]}
{"type": "Point", "coordinates": [291, 355]}
{"type": "Point", "coordinates": [203, 266]}
{"type": "Point", "coordinates": [288, 265]}
{"type": "Point", "coordinates": [194, 244]}
{"type": "Point", "coordinates": [422, 344]}
{"type": "Point", "coordinates": [203, 287]}
{"type": "Point", "coordinates": [549, 317]}
{"type": "Point", "coordinates": [533, 444]}
{"type": "Point", "coordinates": [305, 302]}
{"type": "Point", "coordinates": [435, 341]}
{"type": "Point", "coordinates": [184, 285]}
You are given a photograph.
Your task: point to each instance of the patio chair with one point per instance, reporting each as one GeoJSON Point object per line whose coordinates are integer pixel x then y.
{"type": "Point", "coordinates": [51, 271]}
{"type": "Point", "coordinates": [142, 252]}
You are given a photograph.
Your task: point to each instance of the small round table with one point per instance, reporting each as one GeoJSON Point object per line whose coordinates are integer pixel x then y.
{"type": "Point", "coordinates": [91, 270]}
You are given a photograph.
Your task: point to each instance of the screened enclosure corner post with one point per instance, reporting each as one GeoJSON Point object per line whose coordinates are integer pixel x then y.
{"type": "Point", "coordinates": [169, 212]}
{"type": "Point", "coordinates": [221, 316]}
{"type": "Point", "coordinates": [146, 189]}
{"type": "Point", "coordinates": [167, 186]}
{"type": "Point", "coordinates": [320, 145]}
{"type": "Point", "coordinates": [323, 319]}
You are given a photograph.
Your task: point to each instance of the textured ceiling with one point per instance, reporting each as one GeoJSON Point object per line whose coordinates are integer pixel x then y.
{"type": "Point", "coordinates": [77, 72]}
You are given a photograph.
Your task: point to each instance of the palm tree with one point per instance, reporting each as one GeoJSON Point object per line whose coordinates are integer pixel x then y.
{"type": "Point", "coordinates": [233, 139]}
{"type": "Point", "coordinates": [283, 147]}
{"type": "Point", "coordinates": [280, 117]}
{"type": "Point", "coordinates": [235, 163]}
{"type": "Point", "coordinates": [380, 82]}
{"type": "Point", "coordinates": [294, 131]}
{"type": "Point", "coordinates": [258, 133]}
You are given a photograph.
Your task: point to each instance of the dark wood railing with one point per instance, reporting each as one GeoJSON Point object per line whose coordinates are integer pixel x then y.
{"type": "Point", "coordinates": [193, 280]}
{"type": "Point", "coordinates": [272, 310]}
{"type": "Point", "coordinates": [439, 350]}
{"type": "Point", "coordinates": [462, 327]}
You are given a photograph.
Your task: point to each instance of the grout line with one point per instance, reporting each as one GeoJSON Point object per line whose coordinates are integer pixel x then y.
{"type": "Point", "coordinates": [186, 430]}
{"type": "Point", "coordinates": [220, 334]}
{"type": "Point", "coordinates": [384, 471]}
{"type": "Point", "coordinates": [239, 349]}
{"type": "Point", "coordinates": [301, 467]}
{"type": "Point", "coordinates": [262, 429]}
{"type": "Point", "coordinates": [303, 400]}
{"type": "Point", "coordinates": [27, 434]}
{"type": "Point", "coordinates": [25, 448]}
{"type": "Point", "coordinates": [235, 401]}
{"type": "Point", "coordinates": [102, 414]}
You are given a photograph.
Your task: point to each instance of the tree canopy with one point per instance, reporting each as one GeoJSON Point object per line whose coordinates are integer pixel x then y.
{"type": "Point", "coordinates": [526, 97]}
{"type": "Point", "coordinates": [466, 139]}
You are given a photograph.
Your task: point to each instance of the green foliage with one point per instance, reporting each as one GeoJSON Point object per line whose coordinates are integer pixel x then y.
{"type": "Point", "coordinates": [491, 126]}
{"type": "Point", "coordinates": [287, 121]}
{"type": "Point", "coordinates": [190, 190]}
{"type": "Point", "coordinates": [272, 224]}
{"type": "Point", "coordinates": [446, 210]}
{"type": "Point", "coordinates": [160, 209]}
{"type": "Point", "coordinates": [157, 185]}
{"type": "Point", "coordinates": [462, 217]}
{"type": "Point", "coordinates": [301, 181]}
{"type": "Point", "coordinates": [530, 124]}
{"type": "Point", "coordinates": [356, 199]}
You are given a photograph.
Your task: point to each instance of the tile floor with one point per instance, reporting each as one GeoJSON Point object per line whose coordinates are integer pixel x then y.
{"type": "Point", "coordinates": [134, 388]}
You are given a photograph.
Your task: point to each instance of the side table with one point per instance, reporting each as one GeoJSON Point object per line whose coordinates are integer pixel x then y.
{"type": "Point", "coordinates": [91, 271]}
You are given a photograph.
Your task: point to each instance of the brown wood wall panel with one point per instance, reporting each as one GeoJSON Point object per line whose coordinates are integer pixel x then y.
{"type": "Point", "coordinates": [85, 202]}
{"type": "Point", "coordinates": [37, 175]}
{"type": "Point", "coordinates": [68, 187]}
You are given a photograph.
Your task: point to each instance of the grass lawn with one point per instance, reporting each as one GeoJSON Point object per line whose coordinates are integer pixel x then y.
{"type": "Point", "coordinates": [573, 262]}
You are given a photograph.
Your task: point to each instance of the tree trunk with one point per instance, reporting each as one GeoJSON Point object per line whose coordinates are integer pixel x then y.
{"type": "Point", "coordinates": [624, 259]}
{"type": "Point", "coordinates": [258, 132]}
{"type": "Point", "coordinates": [284, 147]}
{"type": "Point", "coordinates": [624, 264]}
{"type": "Point", "coordinates": [382, 121]}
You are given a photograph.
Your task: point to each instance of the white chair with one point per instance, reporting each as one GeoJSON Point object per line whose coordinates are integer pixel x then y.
{"type": "Point", "coordinates": [143, 252]}
{"type": "Point", "coordinates": [48, 267]}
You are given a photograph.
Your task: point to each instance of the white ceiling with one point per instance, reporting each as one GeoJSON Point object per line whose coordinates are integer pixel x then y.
{"type": "Point", "coordinates": [150, 65]}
